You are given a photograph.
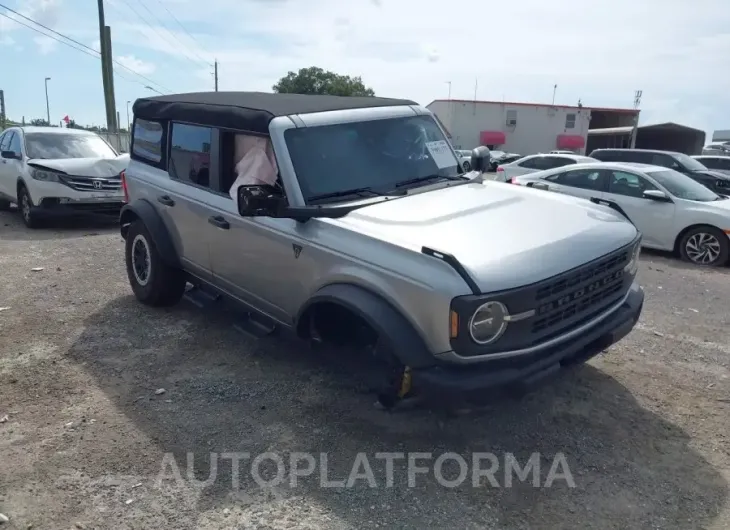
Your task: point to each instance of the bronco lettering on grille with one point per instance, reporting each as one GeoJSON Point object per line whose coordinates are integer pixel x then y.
{"type": "Point", "coordinates": [580, 293]}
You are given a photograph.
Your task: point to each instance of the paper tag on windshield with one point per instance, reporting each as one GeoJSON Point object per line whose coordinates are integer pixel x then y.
{"type": "Point", "coordinates": [441, 154]}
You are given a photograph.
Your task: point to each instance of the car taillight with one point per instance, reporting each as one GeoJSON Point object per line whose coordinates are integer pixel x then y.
{"type": "Point", "coordinates": [513, 180]}
{"type": "Point", "coordinates": [500, 169]}
{"type": "Point", "coordinates": [124, 186]}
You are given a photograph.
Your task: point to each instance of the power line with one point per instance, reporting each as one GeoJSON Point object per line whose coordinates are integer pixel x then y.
{"type": "Point", "coordinates": [181, 25]}
{"type": "Point", "coordinates": [153, 28]}
{"type": "Point", "coordinates": [84, 48]}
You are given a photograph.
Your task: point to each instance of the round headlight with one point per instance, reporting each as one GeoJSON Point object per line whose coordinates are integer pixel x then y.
{"type": "Point", "coordinates": [488, 322]}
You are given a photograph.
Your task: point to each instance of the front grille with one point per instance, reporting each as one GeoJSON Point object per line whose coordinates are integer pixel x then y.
{"type": "Point", "coordinates": [88, 183]}
{"type": "Point", "coordinates": [579, 294]}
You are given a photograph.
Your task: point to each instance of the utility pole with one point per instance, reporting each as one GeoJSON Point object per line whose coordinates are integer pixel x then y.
{"type": "Point", "coordinates": [48, 108]}
{"type": "Point", "coordinates": [555, 89]}
{"type": "Point", "coordinates": [2, 110]}
{"type": "Point", "coordinates": [634, 130]}
{"type": "Point", "coordinates": [114, 127]}
{"type": "Point", "coordinates": [215, 74]}
{"type": "Point", "coordinates": [105, 69]}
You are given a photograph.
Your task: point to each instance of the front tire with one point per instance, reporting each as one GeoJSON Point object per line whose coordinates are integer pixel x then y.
{"type": "Point", "coordinates": [27, 211]}
{"type": "Point", "coordinates": [706, 246]}
{"type": "Point", "coordinates": [153, 282]}
{"type": "Point", "coordinates": [466, 166]}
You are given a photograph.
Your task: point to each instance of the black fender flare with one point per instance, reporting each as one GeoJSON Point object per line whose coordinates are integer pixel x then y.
{"type": "Point", "coordinates": [398, 334]}
{"type": "Point", "coordinates": [612, 205]}
{"type": "Point", "coordinates": [143, 210]}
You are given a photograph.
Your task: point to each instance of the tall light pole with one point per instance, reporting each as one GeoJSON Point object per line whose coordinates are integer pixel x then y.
{"type": "Point", "coordinates": [48, 107]}
{"type": "Point", "coordinates": [128, 125]}
{"type": "Point", "coordinates": [153, 90]}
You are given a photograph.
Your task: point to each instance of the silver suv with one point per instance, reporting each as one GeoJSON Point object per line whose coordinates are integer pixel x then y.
{"type": "Point", "coordinates": [351, 221]}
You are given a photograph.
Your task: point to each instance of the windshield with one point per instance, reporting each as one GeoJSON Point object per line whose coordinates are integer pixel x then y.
{"type": "Point", "coordinates": [376, 154]}
{"type": "Point", "coordinates": [690, 163]}
{"type": "Point", "coordinates": [683, 187]}
{"type": "Point", "coordinates": [50, 146]}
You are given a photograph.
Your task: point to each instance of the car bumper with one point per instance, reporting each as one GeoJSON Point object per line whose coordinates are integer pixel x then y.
{"type": "Point", "coordinates": [111, 205]}
{"type": "Point", "coordinates": [519, 375]}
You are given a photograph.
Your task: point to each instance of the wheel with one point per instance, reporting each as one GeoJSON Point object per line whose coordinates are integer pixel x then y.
{"type": "Point", "coordinates": [153, 281]}
{"type": "Point", "coordinates": [466, 166]}
{"type": "Point", "coordinates": [27, 210]}
{"type": "Point", "coordinates": [4, 205]}
{"type": "Point", "coordinates": [705, 245]}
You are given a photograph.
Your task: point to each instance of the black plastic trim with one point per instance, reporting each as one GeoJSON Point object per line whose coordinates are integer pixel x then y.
{"type": "Point", "coordinates": [454, 264]}
{"type": "Point", "coordinates": [398, 334]}
{"type": "Point", "coordinates": [146, 212]}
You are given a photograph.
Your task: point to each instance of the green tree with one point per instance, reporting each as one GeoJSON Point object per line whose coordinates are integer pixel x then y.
{"type": "Point", "coordinates": [39, 122]}
{"type": "Point", "coordinates": [314, 80]}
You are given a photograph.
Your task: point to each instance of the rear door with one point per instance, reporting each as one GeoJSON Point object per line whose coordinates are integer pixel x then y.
{"type": "Point", "coordinates": [526, 166]}
{"type": "Point", "coordinates": [6, 168]}
{"type": "Point", "coordinates": [652, 218]}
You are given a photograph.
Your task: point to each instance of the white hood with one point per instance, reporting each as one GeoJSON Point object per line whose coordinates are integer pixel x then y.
{"type": "Point", "coordinates": [84, 167]}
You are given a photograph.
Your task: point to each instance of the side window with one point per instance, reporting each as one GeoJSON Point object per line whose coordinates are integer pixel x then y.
{"type": "Point", "coordinates": [586, 179]}
{"type": "Point", "coordinates": [570, 121]}
{"type": "Point", "coordinates": [190, 154]}
{"type": "Point", "coordinates": [628, 184]}
{"type": "Point", "coordinates": [147, 140]}
{"type": "Point", "coordinates": [723, 163]}
{"type": "Point", "coordinates": [557, 161]}
{"type": "Point", "coordinates": [14, 144]}
{"type": "Point", "coordinates": [659, 159]}
{"type": "Point", "coordinates": [4, 137]}
{"type": "Point", "coordinates": [532, 163]}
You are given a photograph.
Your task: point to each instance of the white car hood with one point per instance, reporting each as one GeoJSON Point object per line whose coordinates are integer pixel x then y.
{"type": "Point", "coordinates": [85, 167]}
{"type": "Point", "coordinates": [504, 235]}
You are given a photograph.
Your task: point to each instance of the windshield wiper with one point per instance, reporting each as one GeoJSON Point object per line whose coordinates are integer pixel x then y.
{"type": "Point", "coordinates": [426, 178]}
{"type": "Point", "coordinates": [345, 193]}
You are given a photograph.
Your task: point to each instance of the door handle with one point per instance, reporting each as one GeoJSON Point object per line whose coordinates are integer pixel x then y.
{"type": "Point", "coordinates": [166, 200]}
{"type": "Point", "coordinates": [219, 221]}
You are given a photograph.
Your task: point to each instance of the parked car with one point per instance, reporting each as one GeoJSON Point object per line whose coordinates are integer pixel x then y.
{"type": "Point", "coordinates": [561, 152]}
{"type": "Point", "coordinates": [464, 158]}
{"type": "Point", "coordinates": [717, 163]}
{"type": "Point", "coordinates": [392, 261]}
{"type": "Point", "coordinates": [718, 149]}
{"type": "Point", "coordinates": [671, 210]}
{"type": "Point", "coordinates": [533, 163]}
{"type": "Point", "coordinates": [714, 180]}
{"type": "Point", "coordinates": [502, 158]}
{"type": "Point", "coordinates": [53, 170]}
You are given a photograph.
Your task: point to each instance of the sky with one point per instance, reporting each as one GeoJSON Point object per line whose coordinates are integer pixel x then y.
{"type": "Point", "coordinates": [676, 51]}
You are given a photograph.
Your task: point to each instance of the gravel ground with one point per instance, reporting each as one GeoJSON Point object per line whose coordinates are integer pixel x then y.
{"type": "Point", "coordinates": [85, 431]}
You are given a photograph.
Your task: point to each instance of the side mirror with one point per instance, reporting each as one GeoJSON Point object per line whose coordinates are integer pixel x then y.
{"type": "Point", "coordinates": [11, 155]}
{"type": "Point", "coordinates": [260, 201]}
{"type": "Point", "coordinates": [480, 159]}
{"type": "Point", "coordinates": [656, 195]}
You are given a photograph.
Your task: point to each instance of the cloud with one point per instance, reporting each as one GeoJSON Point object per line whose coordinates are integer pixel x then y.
{"type": "Point", "coordinates": [45, 44]}
{"type": "Point", "coordinates": [410, 48]}
{"type": "Point", "coordinates": [136, 65]}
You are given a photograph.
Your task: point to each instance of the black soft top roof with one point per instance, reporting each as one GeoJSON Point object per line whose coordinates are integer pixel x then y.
{"type": "Point", "coordinates": [250, 111]}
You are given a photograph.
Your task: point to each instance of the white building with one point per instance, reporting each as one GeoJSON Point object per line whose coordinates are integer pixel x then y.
{"type": "Point", "coordinates": [524, 128]}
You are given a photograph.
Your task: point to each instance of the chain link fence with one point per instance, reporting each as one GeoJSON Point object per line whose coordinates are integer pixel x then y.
{"type": "Point", "coordinates": [119, 141]}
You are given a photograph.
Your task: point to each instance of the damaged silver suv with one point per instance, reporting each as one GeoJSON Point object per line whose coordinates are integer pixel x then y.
{"type": "Point", "coordinates": [351, 221]}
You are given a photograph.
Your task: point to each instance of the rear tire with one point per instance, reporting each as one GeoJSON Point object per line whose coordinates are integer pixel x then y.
{"type": "Point", "coordinates": [153, 282]}
{"type": "Point", "coordinates": [466, 166]}
{"type": "Point", "coordinates": [706, 246]}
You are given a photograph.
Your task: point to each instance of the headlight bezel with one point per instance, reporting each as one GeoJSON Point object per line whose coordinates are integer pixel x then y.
{"type": "Point", "coordinates": [44, 175]}
{"type": "Point", "coordinates": [632, 267]}
{"type": "Point", "coordinates": [496, 335]}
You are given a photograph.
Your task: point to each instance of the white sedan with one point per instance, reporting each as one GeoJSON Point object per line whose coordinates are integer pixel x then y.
{"type": "Point", "coordinates": [672, 211]}
{"type": "Point", "coordinates": [465, 158]}
{"type": "Point", "coordinates": [541, 162]}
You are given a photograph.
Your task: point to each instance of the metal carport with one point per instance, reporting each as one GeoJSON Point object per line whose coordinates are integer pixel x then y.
{"type": "Point", "coordinates": [663, 136]}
